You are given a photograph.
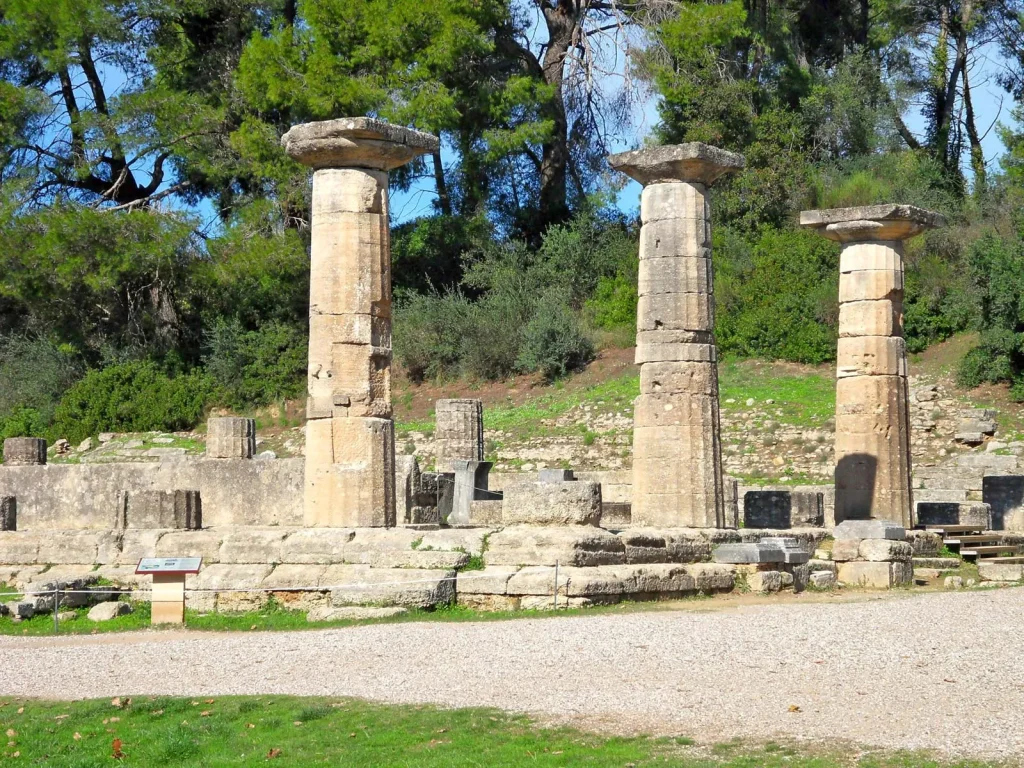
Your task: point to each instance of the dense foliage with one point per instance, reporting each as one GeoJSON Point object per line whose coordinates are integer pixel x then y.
{"type": "Point", "coordinates": [154, 235]}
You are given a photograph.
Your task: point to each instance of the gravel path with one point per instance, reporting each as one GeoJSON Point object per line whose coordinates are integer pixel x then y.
{"type": "Point", "coordinates": [942, 671]}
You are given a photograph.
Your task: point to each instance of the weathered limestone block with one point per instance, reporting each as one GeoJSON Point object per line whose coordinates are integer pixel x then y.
{"type": "Point", "coordinates": [881, 317]}
{"type": "Point", "coordinates": [765, 581]}
{"type": "Point", "coordinates": [536, 580]}
{"type": "Point", "coordinates": [350, 478]}
{"type": "Point", "coordinates": [24, 451]}
{"type": "Point", "coordinates": [544, 503]}
{"type": "Point", "coordinates": [137, 544]}
{"type": "Point", "coordinates": [230, 437]}
{"type": "Point", "coordinates": [571, 546]}
{"type": "Point", "coordinates": [410, 587]}
{"type": "Point", "coordinates": [253, 545]}
{"type": "Point", "coordinates": [675, 275]}
{"type": "Point", "coordinates": [353, 613]}
{"type": "Point", "coordinates": [78, 547]}
{"type": "Point", "coordinates": [864, 404]}
{"type": "Point", "coordinates": [417, 558]}
{"type": "Point", "coordinates": [871, 285]}
{"type": "Point", "coordinates": [356, 143]}
{"type": "Point", "coordinates": [689, 377]}
{"type": "Point", "coordinates": [297, 586]}
{"type": "Point", "coordinates": [346, 380]}
{"type": "Point", "coordinates": [369, 542]}
{"type": "Point", "coordinates": [869, 529]}
{"type": "Point", "coordinates": [876, 575]}
{"type": "Point", "coordinates": [823, 579]}
{"type": "Point", "coordinates": [204, 544]}
{"type": "Point", "coordinates": [675, 311]}
{"type": "Point", "coordinates": [8, 513]}
{"type": "Point", "coordinates": [348, 269]}
{"type": "Point", "coordinates": [316, 545]}
{"type": "Point", "coordinates": [666, 347]}
{"type": "Point", "coordinates": [679, 238]}
{"type": "Point", "coordinates": [181, 509]}
{"type": "Point", "coordinates": [954, 513]}
{"type": "Point", "coordinates": [672, 202]}
{"type": "Point", "coordinates": [492, 580]}
{"type": "Point", "coordinates": [216, 587]}
{"type": "Point", "coordinates": [844, 550]}
{"type": "Point", "coordinates": [459, 433]}
{"type": "Point", "coordinates": [675, 409]}
{"type": "Point", "coordinates": [470, 540]}
{"type": "Point", "coordinates": [994, 571]}
{"type": "Point", "coordinates": [108, 610]}
{"type": "Point", "coordinates": [878, 550]}
{"type": "Point", "coordinates": [871, 356]}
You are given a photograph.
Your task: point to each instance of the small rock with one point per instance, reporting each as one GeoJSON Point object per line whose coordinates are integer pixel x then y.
{"type": "Point", "coordinates": [105, 437]}
{"type": "Point", "coordinates": [971, 582]}
{"type": "Point", "coordinates": [354, 613]}
{"type": "Point", "coordinates": [21, 609]}
{"type": "Point", "coordinates": [108, 611]}
{"type": "Point", "coordinates": [823, 580]}
{"type": "Point", "coordinates": [266, 455]}
{"type": "Point", "coordinates": [85, 445]}
{"type": "Point", "coordinates": [750, 401]}
{"type": "Point", "coordinates": [953, 582]}
{"type": "Point", "coordinates": [731, 400]}
{"type": "Point", "coordinates": [769, 401]}
{"type": "Point", "coordinates": [66, 616]}
{"type": "Point", "coordinates": [163, 440]}
{"type": "Point", "coordinates": [62, 447]}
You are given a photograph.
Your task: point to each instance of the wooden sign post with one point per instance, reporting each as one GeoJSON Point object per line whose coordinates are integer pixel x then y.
{"type": "Point", "coordinates": [168, 598]}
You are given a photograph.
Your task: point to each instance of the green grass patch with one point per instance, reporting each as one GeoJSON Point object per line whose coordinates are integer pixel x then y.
{"type": "Point", "coordinates": [237, 731]}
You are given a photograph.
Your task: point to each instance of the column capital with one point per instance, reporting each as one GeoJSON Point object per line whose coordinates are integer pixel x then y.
{"type": "Point", "coordinates": [871, 222]}
{"type": "Point", "coordinates": [356, 142]}
{"type": "Point", "coordinates": [693, 162]}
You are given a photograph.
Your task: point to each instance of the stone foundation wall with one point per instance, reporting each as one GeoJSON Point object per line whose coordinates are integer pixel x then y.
{"type": "Point", "coordinates": [85, 496]}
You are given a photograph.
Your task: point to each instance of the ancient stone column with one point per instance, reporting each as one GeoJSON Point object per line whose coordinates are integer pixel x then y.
{"type": "Point", "coordinates": [872, 413]}
{"type": "Point", "coordinates": [677, 457]}
{"type": "Point", "coordinates": [230, 437]}
{"type": "Point", "coordinates": [460, 432]}
{"type": "Point", "coordinates": [24, 451]}
{"type": "Point", "coordinates": [350, 438]}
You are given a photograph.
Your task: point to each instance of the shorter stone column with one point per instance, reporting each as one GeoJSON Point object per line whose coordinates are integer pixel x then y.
{"type": "Point", "coordinates": [230, 437]}
{"type": "Point", "coordinates": [459, 435]}
{"type": "Point", "coordinates": [872, 408]}
{"type": "Point", "coordinates": [24, 451]}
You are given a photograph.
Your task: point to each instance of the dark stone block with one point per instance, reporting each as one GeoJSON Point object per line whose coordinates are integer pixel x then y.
{"type": "Point", "coordinates": [1005, 495]}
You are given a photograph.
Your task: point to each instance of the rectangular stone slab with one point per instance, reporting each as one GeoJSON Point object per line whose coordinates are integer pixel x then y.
{"type": "Point", "coordinates": [868, 285]}
{"type": "Point", "coordinates": [689, 377]}
{"type": "Point", "coordinates": [871, 356]}
{"type": "Point", "coordinates": [678, 200]}
{"type": "Point", "coordinates": [676, 274]}
{"type": "Point", "coordinates": [882, 317]}
{"type": "Point", "coordinates": [869, 529]}
{"type": "Point", "coordinates": [676, 311]}
{"type": "Point", "coordinates": [675, 237]}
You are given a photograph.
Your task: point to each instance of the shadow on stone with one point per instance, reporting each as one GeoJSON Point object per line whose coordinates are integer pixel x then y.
{"type": "Point", "coordinates": [855, 486]}
{"type": "Point", "coordinates": [1005, 495]}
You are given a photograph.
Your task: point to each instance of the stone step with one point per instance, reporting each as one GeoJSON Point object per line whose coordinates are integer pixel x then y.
{"type": "Point", "coordinates": [980, 538]}
{"type": "Point", "coordinates": [1005, 560]}
{"type": "Point", "coordinates": [994, 549]}
{"type": "Point", "coordinates": [952, 529]}
{"type": "Point", "coordinates": [939, 563]}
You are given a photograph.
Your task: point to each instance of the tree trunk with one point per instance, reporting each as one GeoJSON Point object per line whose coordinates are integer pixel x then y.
{"type": "Point", "coordinates": [977, 155]}
{"type": "Point", "coordinates": [444, 201]}
{"type": "Point", "coordinates": [561, 21]}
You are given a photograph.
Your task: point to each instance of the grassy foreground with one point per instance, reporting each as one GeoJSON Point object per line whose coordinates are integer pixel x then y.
{"type": "Point", "coordinates": [230, 731]}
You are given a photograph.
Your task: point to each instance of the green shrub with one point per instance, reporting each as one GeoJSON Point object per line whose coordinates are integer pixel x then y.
{"type": "Point", "coordinates": [997, 273]}
{"type": "Point", "coordinates": [553, 342]}
{"type": "Point", "coordinates": [614, 302]}
{"type": "Point", "coordinates": [130, 397]}
{"type": "Point", "coordinates": [428, 334]}
{"type": "Point", "coordinates": [23, 422]}
{"type": "Point", "coordinates": [784, 305]}
{"type": "Point", "coordinates": [253, 368]}
{"type": "Point", "coordinates": [34, 374]}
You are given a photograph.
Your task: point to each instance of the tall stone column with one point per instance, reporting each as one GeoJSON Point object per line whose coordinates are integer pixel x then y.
{"type": "Point", "coordinates": [677, 455]}
{"type": "Point", "coordinates": [872, 412]}
{"type": "Point", "coordinates": [350, 437]}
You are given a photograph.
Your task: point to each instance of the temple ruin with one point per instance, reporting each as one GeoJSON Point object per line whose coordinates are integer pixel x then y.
{"type": "Point", "coordinates": [352, 524]}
